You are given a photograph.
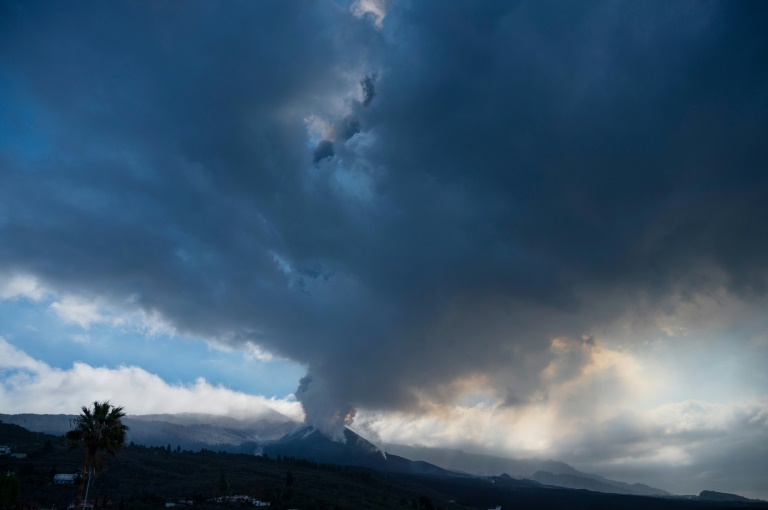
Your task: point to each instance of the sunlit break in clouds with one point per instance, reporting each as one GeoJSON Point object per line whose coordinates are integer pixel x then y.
{"type": "Point", "coordinates": [537, 229]}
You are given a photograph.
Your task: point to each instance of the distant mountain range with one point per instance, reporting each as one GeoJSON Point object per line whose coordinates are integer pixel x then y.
{"type": "Point", "coordinates": [188, 431]}
{"type": "Point", "coordinates": [723, 497]}
{"type": "Point", "coordinates": [546, 472]}
{"type": "Point", "coordinates": [485, 465]}
{"type": "Point", "coordinates": [596, 483]}
{"type": "Point", "coordinates": [275, 434]}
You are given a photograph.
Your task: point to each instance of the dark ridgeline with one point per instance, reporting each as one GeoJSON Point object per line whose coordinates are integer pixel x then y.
{"type": "Point", "coordinates": [190, 431]}
{"type": "Point", "coordinates": [353, 475]}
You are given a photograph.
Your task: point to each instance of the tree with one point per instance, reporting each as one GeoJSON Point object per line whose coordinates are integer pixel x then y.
{"type": "Point", "coordinates": [425, 502]}
{"type": "Point", "coordinates": [10, 489]}
{"type": "Point", "coordinates": [223, 486]}
{"type": "Point", "coordinates": [99, 431]}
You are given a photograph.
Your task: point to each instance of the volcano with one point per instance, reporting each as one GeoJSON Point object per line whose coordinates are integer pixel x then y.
{"type": "Point", "coordinates": [309, 443]}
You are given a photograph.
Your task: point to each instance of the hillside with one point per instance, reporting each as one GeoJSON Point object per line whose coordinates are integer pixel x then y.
{"type": "Point", "coordinates": [190, 431]}
{"type": "Point", "coordinates": [274, 433]}
{"type": "Point", "coordinates": [309, 443]}
{"type": "Point", "coordinates": [146, 477]}
{"type": "Point", "coordinates": [548, 472]}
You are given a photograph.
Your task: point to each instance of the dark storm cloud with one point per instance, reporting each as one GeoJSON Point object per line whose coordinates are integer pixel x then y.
{"type": "Point", "coordinates": [513, 163]}
{"type": "Point", "coordinates": [369, 89]}
{"type": "Point", "coordinates": [323, 150]}
{"type": "Point", "coordinates": [348, 127]}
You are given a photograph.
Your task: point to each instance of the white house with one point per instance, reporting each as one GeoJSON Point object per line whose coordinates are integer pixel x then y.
{"type": "Point", "coordinates": [64, 479]}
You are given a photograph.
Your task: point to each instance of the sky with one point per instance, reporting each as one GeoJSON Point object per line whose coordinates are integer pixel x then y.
{"type": "Point", "coordinates": [531, 228]}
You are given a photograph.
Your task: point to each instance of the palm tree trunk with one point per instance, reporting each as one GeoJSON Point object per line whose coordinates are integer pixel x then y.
{"type": "Point", "coordinates": [80, 487]}
{"type": "Point", "coordinates": [87, 488]}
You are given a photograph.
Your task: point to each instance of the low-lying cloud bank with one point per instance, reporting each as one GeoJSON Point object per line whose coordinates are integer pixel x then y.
{"type": "Point", "coordinates": [31, 386]}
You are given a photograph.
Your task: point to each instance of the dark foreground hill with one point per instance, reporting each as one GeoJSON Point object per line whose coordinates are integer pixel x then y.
{"type": "Point", "coordinates": [146, 477]}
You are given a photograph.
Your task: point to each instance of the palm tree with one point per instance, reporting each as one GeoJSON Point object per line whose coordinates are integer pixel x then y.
{"type": "Point", "coordinates": [98, 431]}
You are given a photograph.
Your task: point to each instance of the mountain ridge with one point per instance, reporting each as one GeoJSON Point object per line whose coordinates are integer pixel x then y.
{"type": "Point", "coordinates": [188, 431]}
{"type": "Point", "coordinates": [160, 476]}
{"type": "Point", "coordinates": [309, 443]}
{"type": "Point", "coordinates": [563, 475]}
{"type": "Point", "coordinates": [275, 434]}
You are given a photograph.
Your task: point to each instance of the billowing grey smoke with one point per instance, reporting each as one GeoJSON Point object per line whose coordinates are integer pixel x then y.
{"type": "Point", "coordinates": [369, 89]}
{"type": "Point", "coordinates": [347, 128]}
{"type": "Point", "coordinates": [324, 150]}
{"type": "Point", "coordinates": [325, 414]}
{"type": "Point", "coordinates": [531, 176]}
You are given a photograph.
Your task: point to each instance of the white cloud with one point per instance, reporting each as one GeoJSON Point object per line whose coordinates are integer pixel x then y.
{"type": "Point", "coordinates": [585, 382]}
{"type": "Point", "coordinates": [87, 312]}
{"type": "Point", "coordinates": [254, 351]}
{"type": "Point", "coordinates": [693, 439]}
{"type": "Point", "coordinates": [318, 128]}
{"type": "Point", "coordinates": [29, 385]}
{"type": "Point", "coordinates": [490, 428]}
{"type": "Point", "coordinates": [80, 311]}
{"type": "Point", "coordinates": [127, 315]}
{"type": "Point", "coordinates": [20, 286]}
{"type": "Point", "coordinates": [80, 339]}
{"type": "Point", "coordinates": [84, 311]}
{"type": "Point", "coordinates": [151, 323]}
{"type": "Point", "coordinates": [375, 9]}
{"type": "Point", "coordinates": [596, 410]}
{"type": "Point", "coordinates": [12, 358]}
{"type": "Point", "coordinates": [248, 349]}
{"type": "Point", "coordinates": [699, 417]}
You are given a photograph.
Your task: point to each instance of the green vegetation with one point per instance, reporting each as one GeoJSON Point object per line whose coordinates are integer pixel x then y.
{"type": "Point", "coordinates": [10, 490]}
{"type": "Point", "coordinates": [99, 431]}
